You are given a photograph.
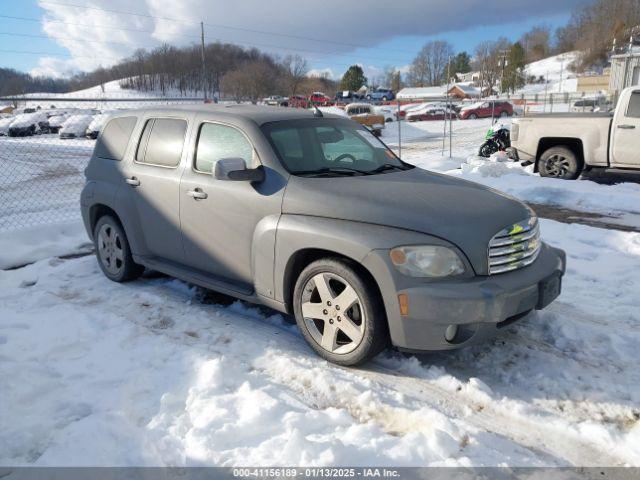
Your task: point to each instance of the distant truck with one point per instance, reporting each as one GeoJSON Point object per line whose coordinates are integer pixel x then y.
{"type": "Point", "coordinates": [563, 145]}
{"type": "Point", "coordinates": [381, 94]}
{"type": "Point", "coordinates": [365, 115]}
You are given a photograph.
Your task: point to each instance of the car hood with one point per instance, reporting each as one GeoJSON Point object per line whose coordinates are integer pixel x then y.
{"type": "Point", "coordinates": [461, 212]}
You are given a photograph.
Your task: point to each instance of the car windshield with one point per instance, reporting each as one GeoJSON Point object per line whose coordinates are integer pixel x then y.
{"type": "Point", "coordinates": [330, 147]}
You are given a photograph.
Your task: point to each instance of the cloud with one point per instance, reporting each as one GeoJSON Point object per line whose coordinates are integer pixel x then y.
{"type": "Point", "coordinates": [341, 26]}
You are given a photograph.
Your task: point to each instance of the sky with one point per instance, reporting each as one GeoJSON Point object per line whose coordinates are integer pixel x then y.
{"type": "Point", "coordinates": [60, 37]}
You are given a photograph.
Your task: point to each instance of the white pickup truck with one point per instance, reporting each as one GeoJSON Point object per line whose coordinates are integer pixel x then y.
{"type": "Point", "coordinates": [563, 145]}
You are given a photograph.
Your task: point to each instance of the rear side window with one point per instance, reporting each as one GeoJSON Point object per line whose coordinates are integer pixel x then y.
{"type": "Point", "coordinates": [161, 142]}
{"type": "Point", "coordinates": [634, 105]}
{"type": "Point", "coordinates": [221, 141]}
{"type": "Point", "coordinates": [113, 142]}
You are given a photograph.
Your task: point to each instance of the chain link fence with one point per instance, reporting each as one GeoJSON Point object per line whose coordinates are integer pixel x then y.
{"type": "Point", "coordinates": [45, 144]}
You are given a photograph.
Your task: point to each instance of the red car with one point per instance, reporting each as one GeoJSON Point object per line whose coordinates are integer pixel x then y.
{"type": "Point", "coordinates": [298, 101]}
{"type": "Point", "coordinates": [430, 114]}
{"type": "Point", "coordinates": [486, 109]}
{"type": "Point", "coordinates": [319, 98]}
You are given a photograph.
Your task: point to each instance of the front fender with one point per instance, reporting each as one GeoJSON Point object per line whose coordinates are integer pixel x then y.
{"type": "Point", "coordinates": [354, 240]}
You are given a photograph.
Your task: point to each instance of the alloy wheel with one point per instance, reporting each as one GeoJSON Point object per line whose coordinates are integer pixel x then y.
{"type": "Point", "coordinates": [333, 313]}
{"type": "Point", "coordinates": [557, 166]}
{"type": "Point", "coordinates": [110, 249]}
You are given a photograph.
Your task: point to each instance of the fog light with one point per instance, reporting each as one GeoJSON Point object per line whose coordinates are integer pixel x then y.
{"type": "Point", "coordinates": [450, 333]}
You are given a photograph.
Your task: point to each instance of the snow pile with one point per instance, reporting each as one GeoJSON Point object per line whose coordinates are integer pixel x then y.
{"type": "Point", "coordinates": [36, 243]}
{"type": "Point", "coordinates": [76, 125]}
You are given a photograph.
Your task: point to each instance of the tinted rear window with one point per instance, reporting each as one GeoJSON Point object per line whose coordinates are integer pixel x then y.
{"type": "Point", "coordinates": [162, 142]}
{"type": "Point", "coordinates": [113, 142]}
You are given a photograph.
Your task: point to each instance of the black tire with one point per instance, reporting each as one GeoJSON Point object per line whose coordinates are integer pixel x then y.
{"type": "Point", "coordinates": [123, 269]}
{"type": "Point", "coordinates": [559, 162]}
{"type": "Point", "coordinates": [487, 149]}
{"type": "Point", "coordinates": [473, 116]}
{"type": "Point", "coordinates": [373, 322]}
{"type": "Point", "coordinates": [504, 114]}
{"type": "Point", "coordinates": [368, 97]}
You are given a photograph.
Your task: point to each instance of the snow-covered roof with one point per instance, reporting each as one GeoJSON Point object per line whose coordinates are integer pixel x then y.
{"type": "Point", "coordinates": [467, 88]}
{"type": "Point", "coordinates": [422, 92]}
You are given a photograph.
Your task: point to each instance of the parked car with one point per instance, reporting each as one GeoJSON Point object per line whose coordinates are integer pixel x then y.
{"type": "Point", "coordinates": [28, 124]}
{"type": "Point", "coordinates": [594, 104]}
{"type": "Point", "coordinates": [97, 123]}
{"type": "Point", "coordinates": [381, 94]}
{"type": "Point", "coordinates": [563, 145]}
{"type": "Point", "coordinates": [319, 98]}
{"type": "Point", "coordinates": [364, 114]}
{"type": "Point", "coordinates": [486, 109]}
{"type": "Point", "coordinates": [56, 121]}
{"type": "Point", "coordinates": [346, 97]}
{"type": "Point", "coordinates": [276, 100]}
{"type": "Point", "coordinates": [298, 101]}
{"type": "Point", "coordinates": [313, 216]}
{"type": "Point", "coordinates": [431, 113]}
{"type": "Point", "coordinates": [75, 126]}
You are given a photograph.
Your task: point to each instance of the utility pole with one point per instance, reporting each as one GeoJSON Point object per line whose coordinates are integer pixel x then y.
{"type": "Point", "coordinates": [449, 107]}
{"type": "Point", "coordinates": [503, 62]}
{"type": "Point", "coordinates": [561, 71]}
{"type": "Point", "coordinates": [444, 133]}
{"type": "Point", "coordinates": [204, 70]}
{"type": "Point", "coordinates": [399, 117]}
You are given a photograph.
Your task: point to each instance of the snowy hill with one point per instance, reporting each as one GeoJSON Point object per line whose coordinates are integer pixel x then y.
{"type": "Point", "coordinates": [556, 71]}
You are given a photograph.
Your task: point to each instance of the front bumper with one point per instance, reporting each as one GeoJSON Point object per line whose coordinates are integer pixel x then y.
{"type": "Point", "coordinates": [479, 306]}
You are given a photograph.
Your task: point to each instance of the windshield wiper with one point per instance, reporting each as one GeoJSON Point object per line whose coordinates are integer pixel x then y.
{"type": "Point", "coordinates": [331, 170]}
{"type": "Point", "coordinates": [385, 167]}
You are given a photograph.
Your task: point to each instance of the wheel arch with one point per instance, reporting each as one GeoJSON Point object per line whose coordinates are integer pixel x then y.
{"type": "Point", "coordinates": [575, 145]}
{"type": "Point", "coordinates": [99, 210]}
{"type": "Point", "coordinates": [303, 257]}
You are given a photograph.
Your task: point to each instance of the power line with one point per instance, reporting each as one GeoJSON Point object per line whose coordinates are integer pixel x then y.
{"type": "Point", "coordinates": [243, 29]}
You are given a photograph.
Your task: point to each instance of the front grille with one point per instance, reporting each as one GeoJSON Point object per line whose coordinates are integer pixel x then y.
{"type": "Point", "coordinates": [514, 247]}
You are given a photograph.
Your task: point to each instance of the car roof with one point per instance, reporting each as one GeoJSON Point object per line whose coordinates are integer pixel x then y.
{"type": "Point", "coordinates": [259, 114]}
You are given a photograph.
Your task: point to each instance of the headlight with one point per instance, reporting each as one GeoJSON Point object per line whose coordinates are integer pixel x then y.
{"type": "Point", "coordinates": [426, 261]}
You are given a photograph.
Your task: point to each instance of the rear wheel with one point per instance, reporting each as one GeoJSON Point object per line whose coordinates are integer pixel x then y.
{"type": "Point", "coordinates": [504, 114]}
{"type": "Point", "coordinates": [559, 162]}
{"type": "Point", "coordinates": [339, 313]}
{"type": "Point", "coordinates": [473, 116]}
{"type": "Point", "coordinates": [113, 251]}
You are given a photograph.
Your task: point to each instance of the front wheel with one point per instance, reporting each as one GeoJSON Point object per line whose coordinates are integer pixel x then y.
{"type": "Point", "coordinates": [113, 251]}
{"type": "Point", "coordinates": [340, 314]}
{"type": "Point", "coordinates": [473, 116]}
{"type": "Point", "coordinates": [488, 148]}
{"type": "Point", "coordinates": [559, 162]}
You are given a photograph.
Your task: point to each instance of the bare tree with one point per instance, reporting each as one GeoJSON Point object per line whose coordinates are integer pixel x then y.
{"type": "Point", "coordinates": [486, 61]}
{"type": "Point", "coordinates": [537, 43]}
{"type": "Point", "coordinates": [295, 71]}
{"type": "Point", "coordinates": [429, 66]}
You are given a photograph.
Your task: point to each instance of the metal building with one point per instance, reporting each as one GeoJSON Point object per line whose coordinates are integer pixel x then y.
{"type": "Point", "coordinates": [625, 71]}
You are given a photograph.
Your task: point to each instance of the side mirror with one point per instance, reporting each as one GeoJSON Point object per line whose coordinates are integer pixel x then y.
{"type": "Point", "coordinates": [235, 169]}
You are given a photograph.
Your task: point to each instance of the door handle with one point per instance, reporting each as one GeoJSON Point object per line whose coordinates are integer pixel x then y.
{"type": "Point", "coordinates": [197, 194]}
{"type": "Point", "coordinates": [627, 127]}
{"type": "Point", "coordinates": [133, 181]}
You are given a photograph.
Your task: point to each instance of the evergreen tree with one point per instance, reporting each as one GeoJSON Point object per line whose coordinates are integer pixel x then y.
{"type": "Point", "coordinates": [353, 78]}
{"type": "Point", "coordinates": [461, 63]}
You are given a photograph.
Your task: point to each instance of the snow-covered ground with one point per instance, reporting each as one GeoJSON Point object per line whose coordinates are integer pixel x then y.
{"type": "Point", "coordinates": [157, 372]}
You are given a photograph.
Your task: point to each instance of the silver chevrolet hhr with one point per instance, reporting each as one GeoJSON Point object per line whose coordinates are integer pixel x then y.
{"type": "Point", "coordinates": [312, 215]}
